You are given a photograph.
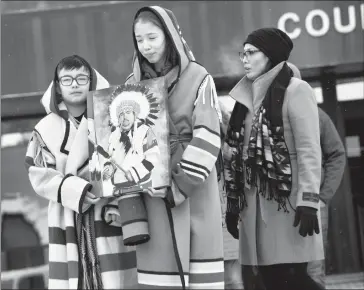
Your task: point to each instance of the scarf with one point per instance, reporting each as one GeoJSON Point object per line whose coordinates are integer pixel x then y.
{"type": "Point", "coordinates": [91, 272]}
{"type": "Point", "coordinates": [268, 165]}
{"type": "Point", "coordinates": [150, 73]}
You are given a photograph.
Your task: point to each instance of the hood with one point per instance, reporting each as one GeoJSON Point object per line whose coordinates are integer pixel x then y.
{"type": "Point", "coordinates": [171, 27]}
{"type": "Point", "coordinates": [49, 99]}
{"type": "Point", "coordinates": [295, 70]}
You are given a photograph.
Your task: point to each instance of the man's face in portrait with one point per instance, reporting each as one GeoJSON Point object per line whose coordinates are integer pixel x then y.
{"type": "Point", "coordinates": [126, 119]}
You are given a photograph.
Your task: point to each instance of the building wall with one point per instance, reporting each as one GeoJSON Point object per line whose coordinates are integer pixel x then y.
{"type": "Point", "coordinates": [322, 33]}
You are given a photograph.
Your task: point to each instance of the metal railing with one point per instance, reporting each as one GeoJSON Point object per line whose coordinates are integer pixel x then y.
{"type": "Point", "coordinates": [21, 105]}
{"type": "Point", "coordinates": [16, 276]}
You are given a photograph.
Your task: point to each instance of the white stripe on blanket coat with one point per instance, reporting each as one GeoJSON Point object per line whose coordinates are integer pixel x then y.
{"type": "Point", "coordinates": [208, 157]}
{"type": "Point", "coordinates": [207, 274]}
{"type": "Point", "coordinates": [206, 267]}
{"type": "Point", "coordinates": [114, 246]}
{"type": "Point", "coordinates": [59, 284]}
{"type": "Point", "coordinates": [161, 280]}
{"type": "Point", "coordinates": [217, 285]}
{"type": "Point", "coordinates": [73, 282]}
{"type": "Point", "coordinates": [195, 170]}
{"type": "Point", "coordinates": [72, 251]}
{"type": "Point", "coordinates": [67, 221]}
{"type": "Point", "coordinates": [203, 157]}
{"type": "Point", "coordinates": [62, 284]}
{"type": "Point", "coordinates": [59, 253]}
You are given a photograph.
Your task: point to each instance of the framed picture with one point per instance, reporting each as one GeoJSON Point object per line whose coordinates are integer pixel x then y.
{"type": "Point", "coordinates": [129, 138]}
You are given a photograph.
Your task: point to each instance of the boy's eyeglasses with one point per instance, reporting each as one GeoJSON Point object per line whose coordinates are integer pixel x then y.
{"type": "Point", "coordinates": [80, 80]}
{"type": "Point", "coordinates": [247, 53]}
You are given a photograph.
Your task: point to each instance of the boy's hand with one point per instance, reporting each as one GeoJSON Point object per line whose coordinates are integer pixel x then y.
{"type": "Point", "coordinates": [90, 198]}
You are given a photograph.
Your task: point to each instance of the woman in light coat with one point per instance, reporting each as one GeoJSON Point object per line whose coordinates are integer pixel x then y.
{"type": "Point", "coordinates": [273, 166]}
{"type": "Point", "coordinates": [185, 249]}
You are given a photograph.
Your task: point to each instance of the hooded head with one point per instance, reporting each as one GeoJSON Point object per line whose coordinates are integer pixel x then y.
{"type": "Point", "coordinates": [158, 42]}
{"type": "Point", "coordinates": [73, 78]}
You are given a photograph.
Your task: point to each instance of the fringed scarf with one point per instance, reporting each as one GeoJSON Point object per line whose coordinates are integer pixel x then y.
{"type": "Point", "coordinates": [268, 165]}
{"type": "Point", "coordinates": [91, 272]}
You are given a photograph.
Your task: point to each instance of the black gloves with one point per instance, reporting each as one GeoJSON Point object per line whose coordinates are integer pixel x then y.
{"type": "Point", "coordinates": [307, 217]}
{"type": "Point", "coordinates": [232, 224]}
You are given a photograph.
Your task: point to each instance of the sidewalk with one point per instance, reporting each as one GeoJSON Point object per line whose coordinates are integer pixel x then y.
{"type": "Point", "coordinates": [340, 281]}
{"type": "Point", "coordinates": [345, 281]}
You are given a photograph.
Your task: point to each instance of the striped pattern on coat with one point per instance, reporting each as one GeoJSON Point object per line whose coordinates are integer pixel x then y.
{"type": "Point", "coordinates": [57, 163]}
{"type": "Point", "coordinates": [188, 221]}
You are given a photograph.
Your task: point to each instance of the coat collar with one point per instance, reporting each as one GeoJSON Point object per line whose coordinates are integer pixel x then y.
{"type": "Point", "coordinates": [71, 131]}
{"type": "Point", "coordinates": [251, 94]}
{"type": "Point", "coordinates": [77, 145]}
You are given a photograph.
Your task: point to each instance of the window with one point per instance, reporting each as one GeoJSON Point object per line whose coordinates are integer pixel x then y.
{"type": "Point", "coordinates": [353, 148]}
{"type": "Point", "coordinates": [350, 89]}
{"type": "Point", "coordinates": [318, 91]}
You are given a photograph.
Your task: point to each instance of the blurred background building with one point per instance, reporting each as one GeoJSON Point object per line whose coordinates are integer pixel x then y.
{"type": "Point", "coordinates": [328, 37]}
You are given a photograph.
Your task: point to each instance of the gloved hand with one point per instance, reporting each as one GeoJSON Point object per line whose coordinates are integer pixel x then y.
{"type": "Point", "coordinates": [232, 224]}
{"type": "Point", "coordinates": [307, 217]}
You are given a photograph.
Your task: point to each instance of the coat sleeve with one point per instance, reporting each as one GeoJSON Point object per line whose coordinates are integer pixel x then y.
{"type": "Point", "coordinates": [304, 121]}
{"type": "Point", "coordinates": [48, 182]}
{"type": "Point", "coordinates": [151, 157]}
{"type": "Point", "coordinates": [200, 155]}
{"type": "Point", "coordinates": [334, 158]}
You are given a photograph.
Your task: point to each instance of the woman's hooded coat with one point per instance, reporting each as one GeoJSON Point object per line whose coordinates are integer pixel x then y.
{"type": "Point", "coordinates": [186, 245]}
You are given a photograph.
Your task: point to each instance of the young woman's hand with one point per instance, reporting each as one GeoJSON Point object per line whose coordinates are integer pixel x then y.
{"type": "Point", "coordinates": [156, 192]}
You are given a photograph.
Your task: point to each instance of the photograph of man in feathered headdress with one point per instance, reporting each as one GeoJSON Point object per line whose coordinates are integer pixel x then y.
{"type": "Point", "coordinates": [128, 130]}
{"type": "Point", "coordinates": [133, 150]}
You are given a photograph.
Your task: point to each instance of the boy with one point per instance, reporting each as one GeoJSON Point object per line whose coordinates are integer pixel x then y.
{"type": "Point", "coordinates": [84, 251]}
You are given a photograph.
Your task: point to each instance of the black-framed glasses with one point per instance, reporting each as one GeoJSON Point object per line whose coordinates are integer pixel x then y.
{"type": "Point", "coordinates": [81, 80]}
{"type": "Point", "coordinates": [247, 53]}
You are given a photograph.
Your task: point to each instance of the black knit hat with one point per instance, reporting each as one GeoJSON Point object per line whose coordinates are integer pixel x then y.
{"type": "Point", "coordinates": [273, 42]}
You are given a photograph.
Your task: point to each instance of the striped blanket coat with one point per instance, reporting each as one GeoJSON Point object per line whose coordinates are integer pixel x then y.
{"type": "Point", "coordinates": [57, 163]}
{"type": "Point", "coordinates": [194, 198]}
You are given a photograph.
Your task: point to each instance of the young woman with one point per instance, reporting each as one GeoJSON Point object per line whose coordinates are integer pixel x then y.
{"type": "Point", "coordinates": [186, 244]}
{"type": "Point", "coordinates": [273, 175]}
